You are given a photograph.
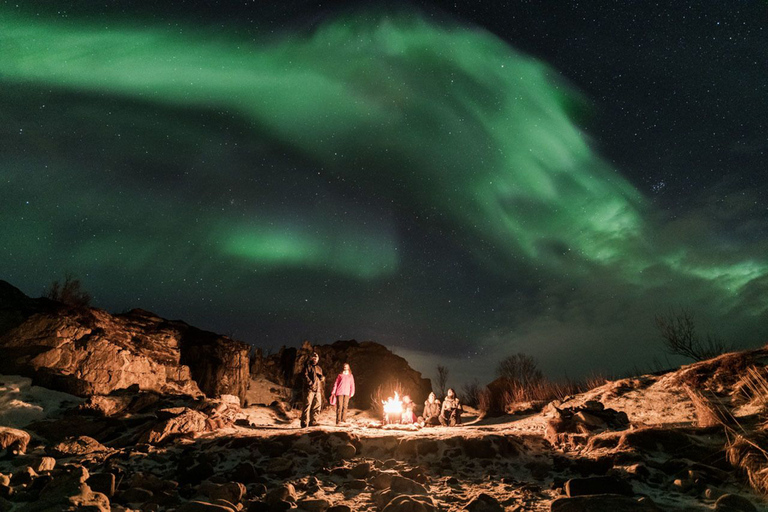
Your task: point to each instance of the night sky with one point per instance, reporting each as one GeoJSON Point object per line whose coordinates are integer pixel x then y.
{"type": "Point", "coordinates": [459, 182]}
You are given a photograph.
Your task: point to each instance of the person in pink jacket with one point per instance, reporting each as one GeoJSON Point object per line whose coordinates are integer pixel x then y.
{"type": "Point", "coordinates": [343, 390]}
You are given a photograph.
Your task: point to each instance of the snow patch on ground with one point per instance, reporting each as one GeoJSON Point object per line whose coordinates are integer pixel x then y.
{"type": "Point", "coordinates": [21, 403]}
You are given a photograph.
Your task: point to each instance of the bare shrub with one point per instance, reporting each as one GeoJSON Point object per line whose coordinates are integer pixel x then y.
{"type": "Point", "coordinates": [519, 368]}
{"type": "Point", "coordinates": [70, 292]}
{"type": "Point", "coordinates": [678, 334]}
{"type": "Point", "coordinates": [477, 396]}
{"type": "Point", "coordinates": [442, 379]}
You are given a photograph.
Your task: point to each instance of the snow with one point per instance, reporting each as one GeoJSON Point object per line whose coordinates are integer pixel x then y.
{"type": "Point", "coordinates": [21, 403]}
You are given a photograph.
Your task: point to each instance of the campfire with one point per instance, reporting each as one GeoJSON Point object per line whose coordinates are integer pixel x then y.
{"type": "Point", "coordinates": [393, 405]}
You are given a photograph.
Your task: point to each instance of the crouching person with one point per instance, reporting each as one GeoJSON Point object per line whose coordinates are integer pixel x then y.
{"type": "Point", "coordinates": [431, 414]}
{"type": "Point", "coordinates": [450, 412]}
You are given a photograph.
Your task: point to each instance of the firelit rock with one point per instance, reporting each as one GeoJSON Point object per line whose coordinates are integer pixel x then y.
{"type": "Point", "coordinates": [88, 351]}
{"type": "Point", "coordinates": [13, 439]}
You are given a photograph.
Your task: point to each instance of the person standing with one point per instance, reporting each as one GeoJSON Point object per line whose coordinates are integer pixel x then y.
{"type": "Point", "coordinates": [343, 390]}
{"type": "Point", "coordinates": [314, 380]}
{"type": "Point", "coordinates": [450, 412]}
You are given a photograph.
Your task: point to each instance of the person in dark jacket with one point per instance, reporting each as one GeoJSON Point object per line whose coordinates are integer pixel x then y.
{"type": "Point", "coordinates": [431, 414]}
{"type": "Point", "coordinates": [313, 391]}
{"type": "Point", "coordinates": [450, 412]}
{"type": "Point", "coordinates": [343, 390]}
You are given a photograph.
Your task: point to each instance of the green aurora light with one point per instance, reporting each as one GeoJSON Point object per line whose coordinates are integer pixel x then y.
{"type": "Point", "coordinates": [447, 122]}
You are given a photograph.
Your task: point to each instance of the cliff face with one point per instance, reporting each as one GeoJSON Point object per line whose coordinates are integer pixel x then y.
{"type": "Point", "coordinates": [89, 351]}
{"type": "Point", "coordinates": [378, 372]}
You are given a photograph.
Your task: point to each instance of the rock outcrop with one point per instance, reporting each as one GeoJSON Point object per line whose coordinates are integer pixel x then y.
{"type": "Point", "coordinates": [88, 351]}
{"type": "Point", "coordinates": [377, 370]}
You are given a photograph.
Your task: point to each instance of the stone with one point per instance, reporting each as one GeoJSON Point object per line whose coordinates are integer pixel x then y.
{"type": "Point", "coordinates": [346, 451]}
{"type": "Point", "coordinates": [188, 421]}
{"type": "Point", "coordinates": [196, 473]}
{"type": "Point", "coordinates": [360, 470]}
{"type": "Point", "coordinates": [280, 466]}
{"type": "Point", "coordinates": [13, 439]}
{"type": "Point", "coordinates": [103, 483]}
{"type": "Point", "coordinates": [232, 492]}
{"type": "Point", "coordinates": [485, 503]}
{"type": "Point", "coordinates": [356, 484]}
{"type": "Point", "coordinates": [68, 490]}
{"type": "Point", "coordinates": [23, 477]}
{"type": "Point", "coordinates": [152, 483]}
{"type": "Point", "coordinates": [286, 492]}
{"type": "Point", "coordinates": [135, 495]}
{"type": "Point", "coordinates": [79, 445]}
{"type": "Point", "coordinates": [402, 485]}
{"type": "Point", "coordinates": [597, 485]}
{"type": "Point", "coordinates": [734, 503]}
{"type": "Point", "coordinates": [405, 503]}
{"type": "Point", "coordinates": [602, 503]}
{"type": "Point", "coordinates": [382, 480]}
{"type": "Point", "coordinates": [340, 508]}
{"type": "Point", "coordinates": [314, 505]}
{"type": "Point", "coordinates": [245, 472]}
{"type": "Point", "coordinates": [417, 474]}
{"type": "Point", "coordinates": [44, 464]}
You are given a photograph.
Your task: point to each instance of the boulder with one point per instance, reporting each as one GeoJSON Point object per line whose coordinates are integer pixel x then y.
{"type": "Point", "coordinates": [377, 370]}
{"type": "Point", "coordinates": [80, 445]}
{"type": "Point", "coordinates": [485, 503]}
{"type": "Point", "coordinates": [183, 421]}
{"type": "Point", "coordinates": [282, 494]}
{"type": "Point", "coordinates": [403, 485]}
{"type": "Point", "coordinates": [13, 439]}
{"type": "Point", "coordinates": [590, 417]}
{"type": "Point", "coordinates": [68, 491]}
{"type": "Point", "coordinates": [87, 351]}
{"type": "Point", "coordinates": [44, 464]}
{"type": "Point", "coordinates": [280, 466]}
{"type": "Point", "coordinates": [314, 505]}
{"type": "Point", "coordinates": [233, 492]}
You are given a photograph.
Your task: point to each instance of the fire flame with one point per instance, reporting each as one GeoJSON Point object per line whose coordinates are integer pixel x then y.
{"type": "Point", "coordinates": [393, 405]}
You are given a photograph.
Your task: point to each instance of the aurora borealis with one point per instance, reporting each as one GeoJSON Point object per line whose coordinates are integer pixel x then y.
{"type": "Point", "coordinates": [384, 173]}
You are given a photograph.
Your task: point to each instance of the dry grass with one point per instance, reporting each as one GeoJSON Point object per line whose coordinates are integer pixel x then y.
{"type": "Point", "coordinates": [708, 412]}
{"type": "Point", "coordinates": [507, 396]}
{"type": "Point", "coordinates": [744, 449]}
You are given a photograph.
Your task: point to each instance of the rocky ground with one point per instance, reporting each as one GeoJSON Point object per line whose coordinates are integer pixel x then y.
{"type": "Point", "coordinates": [127, 421]}
{"type": "Point", "coordinates": [633, 444]}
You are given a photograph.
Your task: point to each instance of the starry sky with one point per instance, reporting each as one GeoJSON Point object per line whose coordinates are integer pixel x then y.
{"type": "Point", "coordinates": [458, 181]}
